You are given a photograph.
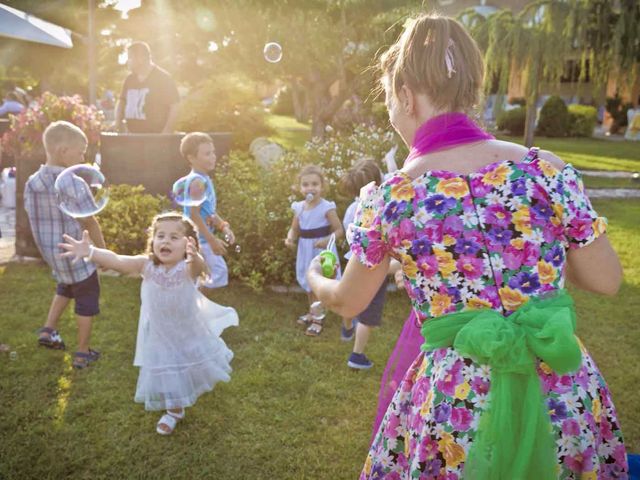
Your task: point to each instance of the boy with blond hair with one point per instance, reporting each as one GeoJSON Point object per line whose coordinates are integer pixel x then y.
{"type": "Point", "coordinates": [65, 145]}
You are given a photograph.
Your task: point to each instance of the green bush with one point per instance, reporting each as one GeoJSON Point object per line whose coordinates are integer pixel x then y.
{"type": "Point", "coordinates": [582, 120]}
{"type": "Point", "coordinates": [379, 114]}
{"type": "Point", "coordinates": [225, 103]}
{"type": "Point", "coordinates": [283, 103]}
{"type": "Point", "coordinates": [128, 214]}
{"type": "Point", "coordinates": [512, 120]}
{"type": "Point", "coordinates": [257, 201]}
{"type": "Point", "coordinates": [554, 118]}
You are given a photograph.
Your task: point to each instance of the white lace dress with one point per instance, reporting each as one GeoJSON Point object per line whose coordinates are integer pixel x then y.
{"type": "Point", "coordinates": [179, 349]}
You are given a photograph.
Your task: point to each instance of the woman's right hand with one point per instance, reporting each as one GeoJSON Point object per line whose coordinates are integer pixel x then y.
{"type": "Point", "coordinates": [290, 243]}
{"type": "Point", "coordinates": [76, 248]}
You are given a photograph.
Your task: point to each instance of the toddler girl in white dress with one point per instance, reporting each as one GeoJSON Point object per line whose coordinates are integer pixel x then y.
{"type": "Point", "coordinates": [179, 349]}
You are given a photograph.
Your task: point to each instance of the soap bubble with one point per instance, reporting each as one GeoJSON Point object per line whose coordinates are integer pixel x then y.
{"type": "Point", "coordinates": [272, 52]}
{"type": "Point", "coordinates": [238, 248]}
{"type": "Point", "coordinates": [190, 191]}
{"type": "Point", "coordinates": [81, 190]}
{"type": "Point", "coordinates": [309, 197]}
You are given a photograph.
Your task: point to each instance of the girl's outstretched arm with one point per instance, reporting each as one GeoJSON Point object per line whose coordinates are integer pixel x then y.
{"type": "Point", "coordinates": [126, 264]}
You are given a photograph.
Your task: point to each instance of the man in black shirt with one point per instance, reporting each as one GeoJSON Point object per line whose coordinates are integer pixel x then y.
{"type": "Point", "coordinates": [149, 98]}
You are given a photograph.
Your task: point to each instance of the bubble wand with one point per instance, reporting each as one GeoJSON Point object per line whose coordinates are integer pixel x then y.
{"type": "Point", "coordinates": [328, 260]}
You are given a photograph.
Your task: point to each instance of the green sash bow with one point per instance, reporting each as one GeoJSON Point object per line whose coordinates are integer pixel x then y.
{"type": "Point", "coordinates": [514, 439]}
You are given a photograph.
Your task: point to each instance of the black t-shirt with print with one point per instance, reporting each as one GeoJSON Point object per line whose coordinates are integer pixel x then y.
{"type": "Point", "coordinates": [146, 103]}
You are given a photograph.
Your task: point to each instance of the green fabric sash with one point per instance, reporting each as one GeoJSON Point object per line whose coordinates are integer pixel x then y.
{"type": "Point", "coordinates": [514, 439]}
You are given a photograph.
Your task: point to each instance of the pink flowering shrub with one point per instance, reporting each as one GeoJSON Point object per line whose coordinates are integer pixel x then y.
{"type": "Point", "coordinates": [25, 134]}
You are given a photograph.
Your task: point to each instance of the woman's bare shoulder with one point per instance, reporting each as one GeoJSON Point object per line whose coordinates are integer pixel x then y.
{"type": "Point", "coordinates": [552, 158]}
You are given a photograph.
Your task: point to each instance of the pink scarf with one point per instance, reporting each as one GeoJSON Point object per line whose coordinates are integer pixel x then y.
{"type": "Point", "coordinates": [445, 131]}
{"type": "Point", "coordinates": [438, 133]}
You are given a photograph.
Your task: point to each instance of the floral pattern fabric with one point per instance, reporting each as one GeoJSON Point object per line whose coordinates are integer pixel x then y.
{"type": "Point", "coordinates": [491, 239]}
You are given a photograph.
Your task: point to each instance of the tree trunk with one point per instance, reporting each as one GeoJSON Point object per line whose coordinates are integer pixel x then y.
{"type": "Point", "coordinates": [298, 107]}
{"type": "Point", "coordinates": [318, 126]}
{"type": "Point", "coordinates": [532, 100]}
{"type": "Point", "coordinates": [325, 107]}
{"type": "Point", "coordinates": [530, 122]}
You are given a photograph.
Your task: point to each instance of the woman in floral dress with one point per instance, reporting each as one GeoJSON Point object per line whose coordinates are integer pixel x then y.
{"type": "Point", "coordinates": [487, 232]}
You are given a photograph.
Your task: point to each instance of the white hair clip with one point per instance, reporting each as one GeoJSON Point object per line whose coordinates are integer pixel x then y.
{"type": "Point", "coordinates": [448, 59]}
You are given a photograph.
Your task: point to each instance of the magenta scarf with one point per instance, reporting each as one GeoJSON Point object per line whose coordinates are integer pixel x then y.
{"type": "Point", "coordinates": [445, 131]}
{"type": "Point", "coordinates": [438, 133]}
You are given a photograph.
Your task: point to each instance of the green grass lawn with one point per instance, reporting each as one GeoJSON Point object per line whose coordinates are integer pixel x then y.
{"type": "Point", "coordinates": [591, 153]}
{"type": "Point", "coordinates": [292, 409]}
{"type": "Point", "coordinates": [289, 132]}
{"type": "Point", "coordinates": [603, 182]}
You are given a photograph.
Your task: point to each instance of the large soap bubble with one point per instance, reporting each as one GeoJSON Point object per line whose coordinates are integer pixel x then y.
{"type": "Point", "coordinates": [190, 190]}
{"type": "Point", "coordinates": [81, 190]}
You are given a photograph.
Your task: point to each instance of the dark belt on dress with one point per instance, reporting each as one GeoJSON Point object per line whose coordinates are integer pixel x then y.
{"type": "Point", "coordinates": [316, 232]}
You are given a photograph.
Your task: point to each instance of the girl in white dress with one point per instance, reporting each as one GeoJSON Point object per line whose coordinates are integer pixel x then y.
{"type": "Point", "coordinates": [314, 221]}
{"type": "Point", "coordinates": [179, 349]}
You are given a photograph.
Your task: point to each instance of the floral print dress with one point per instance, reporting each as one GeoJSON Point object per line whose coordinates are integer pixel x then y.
{"type": "Point", "coordinates": [491, 239]}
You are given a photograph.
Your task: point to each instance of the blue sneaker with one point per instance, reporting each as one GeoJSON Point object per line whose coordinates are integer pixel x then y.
{"type": "Point", "coordinates": [359, 361]}
{"type": "Point", "coordinates": [346, 334]}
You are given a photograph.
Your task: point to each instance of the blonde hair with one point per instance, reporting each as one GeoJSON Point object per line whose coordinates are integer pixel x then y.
{"type": "Point", "coordinates": [190, 230]}
{"type": "Point", "coordinates": [61, 133]}
{"type": "Point", "coordinates": [191, 142]}
{"type": "Point", "coordinates": [362, 173]}
{"type": "Point", "coordinates": [436, 56]}
{"type": "Point", "coordinates": [311, 170]}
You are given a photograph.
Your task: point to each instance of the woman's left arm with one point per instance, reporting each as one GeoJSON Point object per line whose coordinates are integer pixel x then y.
{"type": "Point", "coordinates": [352, 294]}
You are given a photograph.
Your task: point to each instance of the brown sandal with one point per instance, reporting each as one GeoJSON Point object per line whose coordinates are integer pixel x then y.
{"type": "Point", "coordinates": [314, 329]}
{"type": "Point", "coordinates": [304, 320]}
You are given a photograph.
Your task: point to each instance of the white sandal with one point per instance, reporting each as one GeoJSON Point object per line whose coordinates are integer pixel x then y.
{"type": "Point", "coordinates": [170, 419]}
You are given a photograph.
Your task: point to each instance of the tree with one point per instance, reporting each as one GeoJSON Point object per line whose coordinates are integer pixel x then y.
{"type": "Point", "coordinates": [335, 51]}
{"type": "Point", "coordinates": [539, 40]}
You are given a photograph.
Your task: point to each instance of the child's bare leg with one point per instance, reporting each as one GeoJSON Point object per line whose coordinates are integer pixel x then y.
{"type": "Point", "coordinates": [363, 332]}
{"type": "Point", "coordinates": [312, 298]}
{"type": "Point", "coordinates": [347, 322]}
{"type": "Point", "coordinates": [58, 305]}
{"type": "Point", "coordinates": [84, 332]}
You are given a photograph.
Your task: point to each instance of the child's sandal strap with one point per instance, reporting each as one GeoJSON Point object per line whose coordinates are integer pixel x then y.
{"type": "Point", "coordinates": [314, 329]}
{"type": "Point", "coordinates": [52, 339]}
